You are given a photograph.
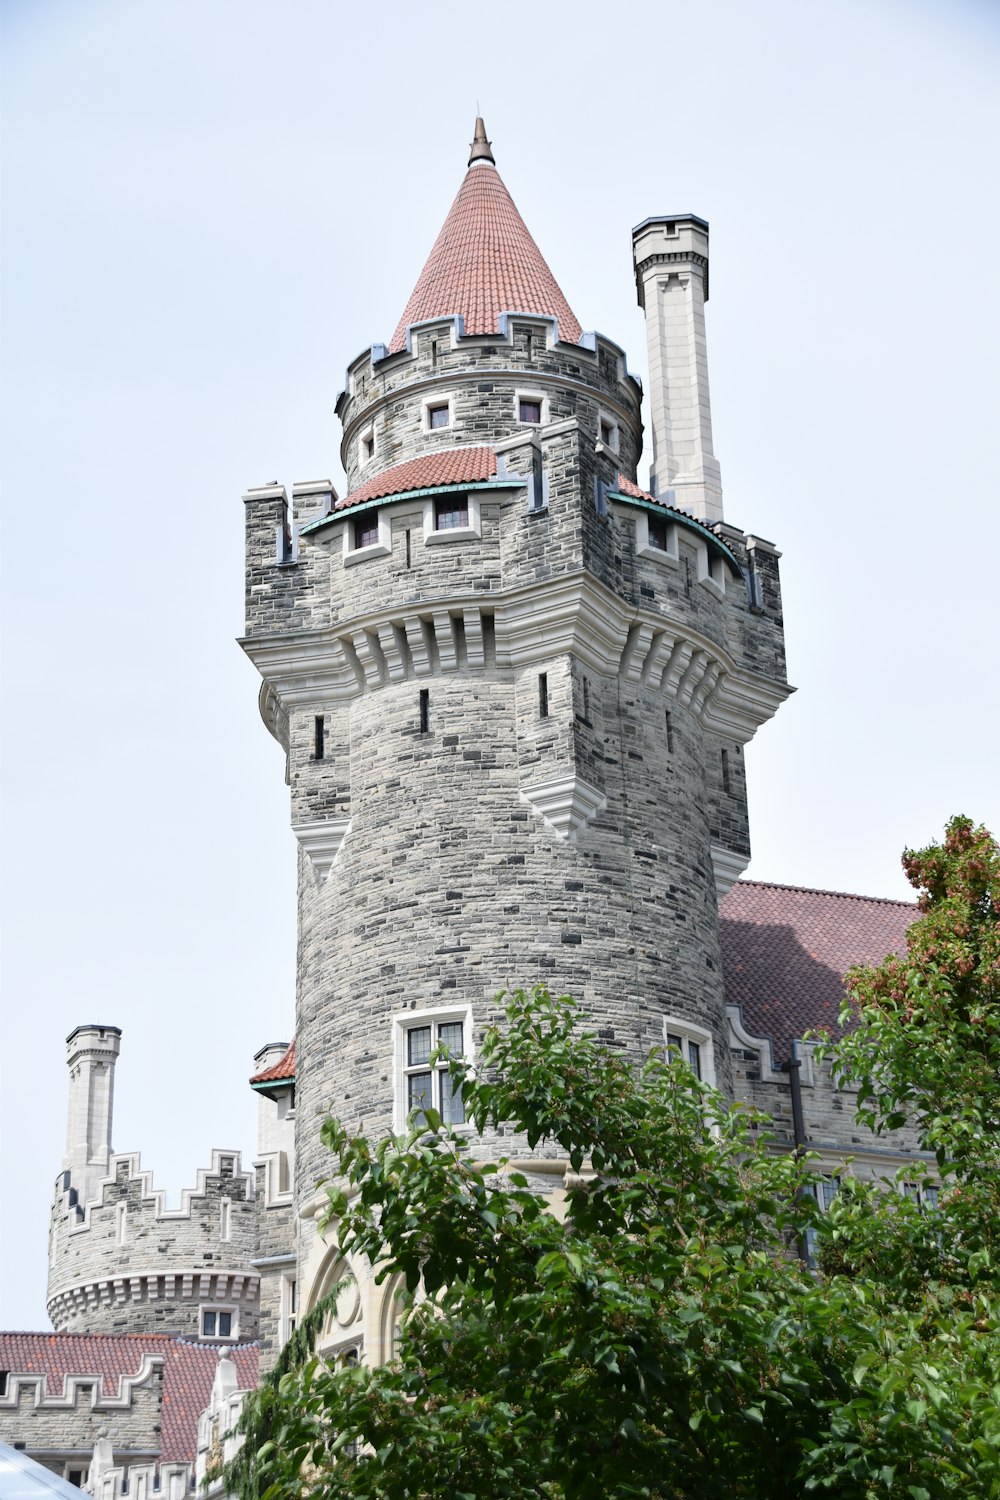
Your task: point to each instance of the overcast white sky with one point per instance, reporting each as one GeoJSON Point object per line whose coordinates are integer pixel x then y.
{"type": "Point", "coordinates": [211, 206]}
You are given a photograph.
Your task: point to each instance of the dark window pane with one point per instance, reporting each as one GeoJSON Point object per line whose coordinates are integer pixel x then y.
{"type": "Point", "coordinates": [225, 1325]}
{"type": "Point", "coordinates": [657, 533]}
{"type": "Point", "coordinates": [451, 511]}
{"type": "Point", "coordinates": [366, 530]}
{"type": "Point", "coordinates": [418, 1041]}
{"type": "Point", "coordinates": [450, 1036]}
{"type": "Point", "coordinates": [208, 1324]}
{"type": "Point", "coordinates": [440, 416]}
{"type": "Point", "coordinates": [694, 1058]}
{"type": "Point", "coordinates": [675, 1043]}
{"type": "Point", "coordinates": [452, 1107]}
{"type": "Point", "coordinates": [529, 411]}
{"type": "Point", "coordinates": [418, 1091]}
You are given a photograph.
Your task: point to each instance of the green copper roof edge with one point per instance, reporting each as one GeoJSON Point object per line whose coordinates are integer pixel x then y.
{"type": "Point", "coordinates": [512, 482]}
{"type": "Point", "coordinates": [680, 519]}
{"type": "Point", "coordinates": [273, 1083]}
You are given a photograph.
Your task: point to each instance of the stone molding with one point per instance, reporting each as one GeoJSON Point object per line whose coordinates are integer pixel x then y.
{"type": "Point", "coordinates": [759, 1044]}
{"type": "Point", "coordinates": [212, 1285]}
{"type": "Point", "coordinates": [574, 614]}
{"type": "Point", "coordinates": [728, 865]}
{"type": "Point", "coordinates": [321, 842]}
{"type": "Point", "coordinates": [566, 803]}
{"type": "Point", "coordinates": [79, 1383]}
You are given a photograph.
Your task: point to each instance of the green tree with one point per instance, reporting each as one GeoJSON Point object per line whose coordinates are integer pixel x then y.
{"type": "Point", "coordinates": [658, 1337]}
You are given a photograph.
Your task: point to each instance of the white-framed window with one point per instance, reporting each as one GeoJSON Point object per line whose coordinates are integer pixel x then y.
{"type": "Point", "coordinates": [366, 445]}
{"type": "Point", "coordinates": [452, 517]}
{"type": "Point", "coordinates": [655, 536]}
{"type": "Point", "coordinates": [436, 413]}
{"type": "Point", "coordinates": [825, 1190]}
{"type": "Point", "coordinates": [607, 431]}
{"type": "Point", "coordinates": [218, 1323]}
{"type": "Point", "coordinates": [289, 1310]}
{"type": "Point", "coordinates": [366, 535]}
{"type": "Point", "coordinates": [693, 1044]}
{"type": "Point", "coordinates": [423, 1084]}
{"type": "Point", "coordinates": [531, 408]}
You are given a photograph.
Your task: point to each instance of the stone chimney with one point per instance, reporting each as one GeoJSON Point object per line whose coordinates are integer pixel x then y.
{"type": "Point", "coordinates": [671, 277]}
{"type": "Point", "coordinates": [91, 1054]}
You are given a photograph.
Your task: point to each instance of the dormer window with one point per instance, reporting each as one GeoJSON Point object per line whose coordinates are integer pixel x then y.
{"type": "Point", "coordinates": [450, 511]}
{"type": "Point", "coordinates": [657, 532]}
{"type": "Point", "coordinates": [366, 530]}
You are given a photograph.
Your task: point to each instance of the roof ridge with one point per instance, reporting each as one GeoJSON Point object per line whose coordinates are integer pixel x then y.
{"type": "Point", "coordinates": [814, 890]}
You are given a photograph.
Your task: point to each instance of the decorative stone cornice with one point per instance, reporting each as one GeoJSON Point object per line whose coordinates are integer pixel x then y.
{"type": "Point", "coordinates": [565, 804]}
{"type": "Point", "coordinates": [321, 841]}
{"type": "Point", "coordinates": [574, 613]}
{"type": "Point", "coordinates": [158, 1285]}
{"type": "Point", "coordinates": [80, 1383]}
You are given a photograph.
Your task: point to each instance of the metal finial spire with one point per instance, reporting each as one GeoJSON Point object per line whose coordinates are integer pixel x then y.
{"type": "Point", "coordinates": [481, 148]}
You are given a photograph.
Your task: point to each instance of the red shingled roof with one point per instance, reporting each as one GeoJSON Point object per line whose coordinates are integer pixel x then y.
{"type": "Point", "coordinates": [484, 263]}
{"type": "Point", "coordinates": [283, 1068]}
{"type": "Point", "coordinates": [188, 1373]}
{"type": "Point", "coordinates": [466, 465]}
{"type": "Point", "coordinates": [629, 487]}
{"type": "Point", "coordinates": [786, 949]}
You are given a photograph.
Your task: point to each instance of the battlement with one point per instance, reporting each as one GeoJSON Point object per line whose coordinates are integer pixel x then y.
{"type": "Point", "coordinates": [127, 1261]}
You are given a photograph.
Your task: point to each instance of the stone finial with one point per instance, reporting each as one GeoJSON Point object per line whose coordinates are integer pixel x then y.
{"type": "Point", "coordinates": [480, 148]}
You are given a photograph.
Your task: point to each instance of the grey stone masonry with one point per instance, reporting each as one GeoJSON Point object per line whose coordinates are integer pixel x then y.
{"type": "Point", "coordinates": [125, 1263]}
{"type": "Point", "coordinates": [514, 754]}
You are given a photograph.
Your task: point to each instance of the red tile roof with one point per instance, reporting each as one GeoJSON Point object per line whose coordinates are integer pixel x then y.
{"type": "Point", "coordinates": [188, 1372]}
{"type": "Point", "coordinates": [629, 487]}
{"type": "Point", "coordinates": [786, 949]}
{"type": "Point", "coordinates": [484, 263]}
{"type": "Point", "coordinates": [466, 465]}
{"type": "Point", "coordinates": [283, 1068]}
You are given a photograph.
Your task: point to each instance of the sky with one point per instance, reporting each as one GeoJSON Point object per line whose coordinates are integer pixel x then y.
{"type": "Point", "coordinates": [209, 207]}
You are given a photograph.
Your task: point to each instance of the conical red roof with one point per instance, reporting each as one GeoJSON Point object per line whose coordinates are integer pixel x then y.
{"type": "Point", "coordinates": [484, 263]}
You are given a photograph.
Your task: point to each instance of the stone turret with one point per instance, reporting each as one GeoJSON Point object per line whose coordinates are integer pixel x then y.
{"type": "Point", "coordinates": [513, 689]}
{"type": "Point", "coordinates": [120, 1261]}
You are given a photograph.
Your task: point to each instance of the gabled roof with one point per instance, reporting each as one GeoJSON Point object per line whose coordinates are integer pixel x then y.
{"type": "Point", "coordinates": [786, 949]}
{"type": "Point", "coordinates": [113, 1358]}
{"type": "Point", "coordinates": [484, 263]}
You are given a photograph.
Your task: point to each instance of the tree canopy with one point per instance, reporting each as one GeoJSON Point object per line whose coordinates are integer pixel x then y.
{"type": "Point", "coordinates": [653, 1333]}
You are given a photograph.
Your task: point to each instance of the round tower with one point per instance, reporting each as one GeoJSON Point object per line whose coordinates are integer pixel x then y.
{"type": "Point", "coordinates": [513, 688]}
{"type": "Point", "coordinates": [120, 1261]}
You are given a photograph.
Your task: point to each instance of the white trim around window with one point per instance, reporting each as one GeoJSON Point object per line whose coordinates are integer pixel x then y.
{"type": "Point", "coordinates": [608, 431]}
{"type": "Point", "coordinates": [219, 1325]}
{"type": "Point", "coordinates": [436, 506]}
{"type": "Point", "coordinates": [437, 403]}
{"type": "Point", "coordinates": [695, 1045]}
{"type": "Point", "coordinates": [408, 1048]}
{"type": "Point", "coordinates": [381, 548]}
{"type": "Point", "coordinates": [366, 446]}
{"type": "Point", "coordinates": [531, 398]}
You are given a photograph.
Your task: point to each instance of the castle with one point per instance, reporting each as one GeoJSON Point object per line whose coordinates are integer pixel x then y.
{"type": "Point", "coordinates": [513, 688]}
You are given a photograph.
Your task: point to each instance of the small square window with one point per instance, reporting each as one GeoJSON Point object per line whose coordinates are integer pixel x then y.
{"type": "Point", "coordinates": [529, 411]}
{"type": "Point", "coordinates": [657, 532]}
{"type": "Point", "coordinates": [366, 530]}
{"type": "Point", "coordinates": [216, 1324]}
{"type": "Point", "coordinates": [439, 416]}
{"type": "Point", "coordinates": [450, 511]}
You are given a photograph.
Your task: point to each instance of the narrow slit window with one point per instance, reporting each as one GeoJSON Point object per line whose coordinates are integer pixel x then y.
{"type": "Point", "coordinates": [434, 353]}
{"type": "Point", "coordinates": [319, 737]}
{"type": "Point", "coordinates": [425, 710]}
{"type": "Point", "coordinates": [543, 695]}
{"type": "Point", "coordinates": [726, 783]}
{"type": "Point", "coordinates": [225, 1221]}
{"type": "Point", "coordinates": [409, 560]}
{"type": "Point", "coordinates": [670, 733]}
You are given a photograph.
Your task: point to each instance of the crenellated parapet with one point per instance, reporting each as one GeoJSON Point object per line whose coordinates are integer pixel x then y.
{"type": "Point", "coordinates": [126, 1262]}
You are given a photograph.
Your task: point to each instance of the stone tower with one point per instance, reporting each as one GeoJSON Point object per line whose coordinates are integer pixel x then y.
{"type": "Point", "coordinates": [120, 1261]}
{"type": "Point", "coordinates": [513, 687]}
